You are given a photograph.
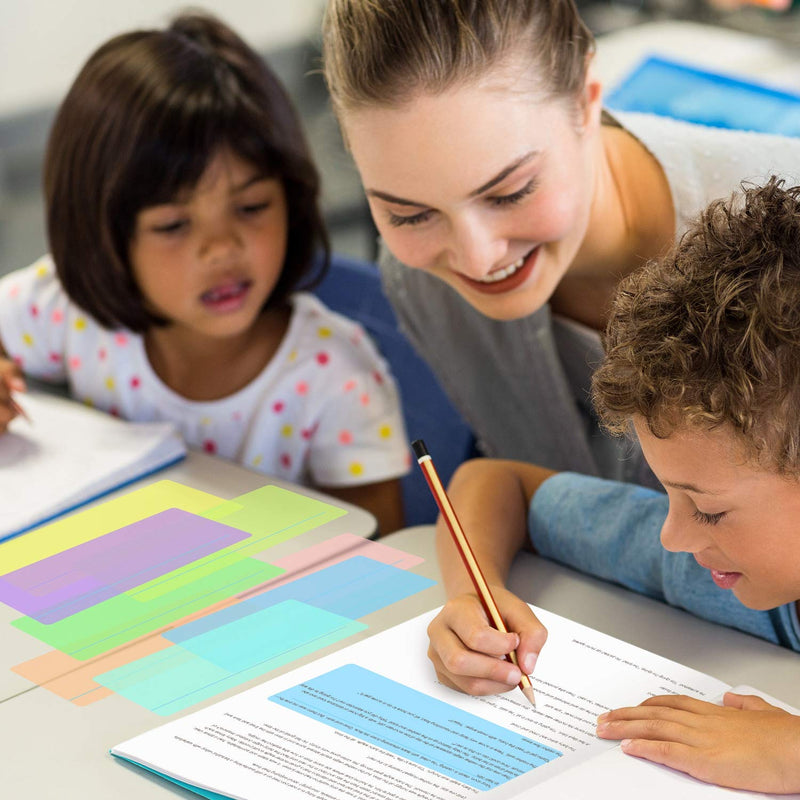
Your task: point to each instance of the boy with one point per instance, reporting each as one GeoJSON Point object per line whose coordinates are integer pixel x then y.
{"type": "Point", "coordinates": [703, 362]}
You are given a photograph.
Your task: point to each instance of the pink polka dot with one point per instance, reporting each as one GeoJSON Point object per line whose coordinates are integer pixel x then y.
{"type": "Point", "coordinates": [236, 416]}
{"type": "Point", "coordinates": [102, 354]}
{"type": "Point", "coordinates": [75, 362]}
{"type": "Point", "coordinates": [345, 437]}
{"type": "Point", "coordinates": [13, 291]}
{"type": "Point", "coordinates": [307, 433]}
{"type": "Point", "coordinates": [135, 382]}
{"type": "Point", "coordinates": [349, 386]}
{"type": "Point", "coordinates": [301, 388]}
{"type": "Point", "coordinates": [378, 377]}
{"type": "Point", "coordinates": [114, 411]}
{"type": "Point", "coordinates": [364, 399]}
{"type": "Point", "coordinates": [121, 339]}
{"type": "Point", "coordinates": [210, 446]}
{"type": "Point", "coordinates": [34, 310]}
{"type": "Point", "coordinates": [278, 406]}
{"type": "Point", "coordinates": [286, 460]}
{"type": "Point", "coordinates": [18, 360]}
{"type": "Point", "coordinates": [55, 358]}
{"type": "Point", "coordinates": [356, 338]}
{"type": "Point", "coordinates": [323, 358]}
{"type": "Point", "coordinates": [57, 317]}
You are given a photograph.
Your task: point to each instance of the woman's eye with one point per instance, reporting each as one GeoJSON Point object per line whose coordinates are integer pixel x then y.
{"type": "Point", "coordinates": [708, 519]}
{"type": "Point", "coordinates": [251, 209]}
{"type": "Point", "coordinates": [398, 220]}
{"type": "Point", "coordinates": [514, 197]}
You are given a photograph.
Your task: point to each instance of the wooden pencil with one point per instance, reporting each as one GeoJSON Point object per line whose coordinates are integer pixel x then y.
{"type": "Point", "coordinates": [467, 556]}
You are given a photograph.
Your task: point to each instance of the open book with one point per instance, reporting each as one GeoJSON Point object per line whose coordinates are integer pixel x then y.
{"type": "Point", "coordinates": [370, 721]}
{"type": "Point", "coordinates": [69, 454]}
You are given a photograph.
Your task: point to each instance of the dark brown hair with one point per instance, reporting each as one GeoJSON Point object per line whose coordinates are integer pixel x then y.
{"type": "Point", "coordinates": [709, 336]}
{"type": "Point", "coordinates": [141, 122]}
{"type": "Point", "coordinates": [382, 52]}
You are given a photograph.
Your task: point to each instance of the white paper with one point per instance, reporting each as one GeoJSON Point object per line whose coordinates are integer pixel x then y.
{"type": "Point", "coordinates": [296, 737]}
{"type": "Point", "coordinates": [68, 454]}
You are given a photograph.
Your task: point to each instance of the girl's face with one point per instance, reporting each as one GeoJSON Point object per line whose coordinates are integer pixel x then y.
{"type": "Point", "coordinates": [737, 519]}
{"type": "Point", "coordinates": [484, 186]}
{"type": "Point", "coordinates": [209, 260]}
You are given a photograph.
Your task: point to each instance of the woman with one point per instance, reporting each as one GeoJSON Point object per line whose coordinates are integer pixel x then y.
{"type": "Point", "coordinates": [492, 171]}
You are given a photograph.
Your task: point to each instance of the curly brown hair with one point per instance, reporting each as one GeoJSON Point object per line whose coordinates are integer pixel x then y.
{"type": "Point", "coordinates": [709, 335]}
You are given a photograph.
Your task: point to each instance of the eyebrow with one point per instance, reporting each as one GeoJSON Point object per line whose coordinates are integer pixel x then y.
{"type": "Point", "coordinates": [689, 487]}
{"type": "Point", "coordinates": [491, 183]}
{"type": "Point", "coordinates": [257, 178]}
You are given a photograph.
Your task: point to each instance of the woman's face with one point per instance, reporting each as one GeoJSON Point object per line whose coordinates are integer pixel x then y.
{"type": "Point", "coordinates": [484, 186]}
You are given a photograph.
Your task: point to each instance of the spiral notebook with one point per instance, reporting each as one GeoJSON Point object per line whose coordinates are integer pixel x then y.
{"type": "Point", "coordinates": [68, 454]}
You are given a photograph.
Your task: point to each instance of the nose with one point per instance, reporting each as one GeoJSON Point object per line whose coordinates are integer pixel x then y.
{"type": "Point", "coordinates": [220, 243]}
{"type": "Point", "coordinates": [476, 248]}
{"type": "Point", "coordinates": [679, 537]}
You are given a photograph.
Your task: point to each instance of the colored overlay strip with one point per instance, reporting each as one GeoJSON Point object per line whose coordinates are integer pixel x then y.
{"type": "Point", "coordinates": [71, 581]}
{"type": "Point", "coordinates": [417, 727]}
{"type": "Point", "coordinates": [130, 615]}
{"type": "Point", "coordinates": [352, 588]}
{"type": "Point", "coordinates": [74, 680]}
{"type": "Point", "coordinates": [224, 657]}
{"type": "Point", "coordinates": [100, 520]}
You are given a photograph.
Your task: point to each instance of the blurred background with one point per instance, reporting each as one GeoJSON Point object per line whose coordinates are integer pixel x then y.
{"type": "Point", "coordinates": [43, 43]}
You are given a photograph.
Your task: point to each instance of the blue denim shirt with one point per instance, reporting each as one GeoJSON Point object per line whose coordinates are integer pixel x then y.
{"type": "Point", "coordinates": [611, 530]}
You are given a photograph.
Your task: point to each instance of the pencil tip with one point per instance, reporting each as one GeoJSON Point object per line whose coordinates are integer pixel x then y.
{"type": "Point", "coordinates": [528, 692]}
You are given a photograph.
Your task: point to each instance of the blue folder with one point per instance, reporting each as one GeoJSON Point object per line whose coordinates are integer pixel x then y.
{"type": "Point", "coordinates": [669, 88]}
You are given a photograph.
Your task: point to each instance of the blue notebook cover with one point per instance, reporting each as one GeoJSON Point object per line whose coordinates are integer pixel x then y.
{"type": "Point", "coordinates": [661, 86]}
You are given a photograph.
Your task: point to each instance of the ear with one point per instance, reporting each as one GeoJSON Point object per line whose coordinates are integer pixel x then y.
{"type": "Point", "coordinates": [591, 101]}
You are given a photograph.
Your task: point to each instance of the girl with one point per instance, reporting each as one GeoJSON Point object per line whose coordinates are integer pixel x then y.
{"type": "Point", "coordinates": [510, 205]}
{"type": "Point", "coordinates": [182, 217]}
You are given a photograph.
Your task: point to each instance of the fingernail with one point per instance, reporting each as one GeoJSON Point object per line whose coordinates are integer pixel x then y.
{"type": "Point", "coordinates": [603, 717]}
{"type": "Point", "coordinates": [16, 384]}
{"type": "Point", "coordinates": [529, 662]}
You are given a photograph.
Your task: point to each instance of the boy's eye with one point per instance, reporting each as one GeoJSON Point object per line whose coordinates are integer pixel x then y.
{"type": "Point", "coordinates": [398, 220]}
{"type": "Point", "coordinates": [514, 197]}
{"type": "Point", "coordinates": [708, 519]}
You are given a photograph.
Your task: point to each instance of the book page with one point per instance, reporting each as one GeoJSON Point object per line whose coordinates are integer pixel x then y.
{"type": "Point", "coordinates": [68, 454]}
{"type": "Point", "coordinates": [371, 721]}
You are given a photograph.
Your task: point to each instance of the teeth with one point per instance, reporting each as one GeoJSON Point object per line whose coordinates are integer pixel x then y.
{"type": "Point", "coordinates": [505, 272]}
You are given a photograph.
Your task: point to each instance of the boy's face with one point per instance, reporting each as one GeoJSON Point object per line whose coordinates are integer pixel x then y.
{"type": "Point", "coordinates": [740, 521]}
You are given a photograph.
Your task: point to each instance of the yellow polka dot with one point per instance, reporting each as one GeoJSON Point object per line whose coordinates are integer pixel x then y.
{"type": "Point", "coordinates": [257, 461]}
{"type": "Point", "coordinates": [206, 421]}
{"type": "Point", "coordinates": [42, 271]}
{"type": "Point", "coordinates": [287, 430]}
{"type": "Point", "coordinates": [323, 333]}
{"type": "Point", "coordinates": [80, 324]}
{"type": "Point", "coordinates": [356, 468]}
{"type": "Point", "coordinates": [87, 401]}
{"type": "Point", "coordinates": [110, 383]}
{"type": "Point", "coordinates": [385, 431]}
{"type": "Point", "coordinates": [293, 355]}
{"type": "Point", "coordinates": [27, 339]}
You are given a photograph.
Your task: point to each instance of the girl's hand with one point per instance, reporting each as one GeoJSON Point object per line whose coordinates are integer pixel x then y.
{"type": "Point", "coordinates": [11, 380]}
{"type": "Point", "coordinates": [744, 744]}
{"type": "Point", "coordinates": [468, 653]}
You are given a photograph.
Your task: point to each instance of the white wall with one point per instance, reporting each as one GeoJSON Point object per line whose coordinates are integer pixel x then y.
{"type": "Point", "coordinates": [43, 43]}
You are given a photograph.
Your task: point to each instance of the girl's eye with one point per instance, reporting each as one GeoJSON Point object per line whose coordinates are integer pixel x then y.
{"type": "Point", "coordinates": [398, 220]}
{"type": "Point", "coordinates": [171, 227]}
{"type": "Point", "coordinates": [514, 197]}
{"type": "Point", "coordinates": [708, 519]}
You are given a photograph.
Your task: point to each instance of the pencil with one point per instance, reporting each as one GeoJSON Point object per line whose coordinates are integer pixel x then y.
{"type": "Point", "coordinates": [20, 410]}
{"type": "Point", "coordinates": [467, 556]}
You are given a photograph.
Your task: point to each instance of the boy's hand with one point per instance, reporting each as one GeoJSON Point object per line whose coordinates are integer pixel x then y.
{"type": "Point", "coordinates": [468, 653]}
{"type": "Point", "coordinates": [11, 380]}
{"type": "Point", "coordinates": [744, 744]}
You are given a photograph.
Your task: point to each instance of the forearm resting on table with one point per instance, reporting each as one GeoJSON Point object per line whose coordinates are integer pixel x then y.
{"type": "Point", "coordinates": [491, 499]}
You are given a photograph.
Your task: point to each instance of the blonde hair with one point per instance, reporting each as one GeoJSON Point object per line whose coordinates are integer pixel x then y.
{"type": "Point", "coordinates": [709, 335]}
{"type": "Point", "coordinates": [382, 52]}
